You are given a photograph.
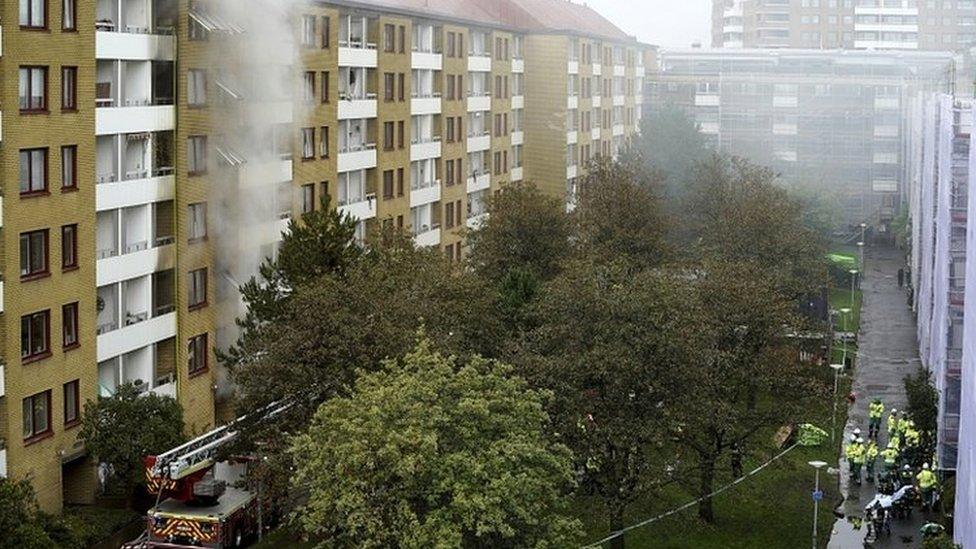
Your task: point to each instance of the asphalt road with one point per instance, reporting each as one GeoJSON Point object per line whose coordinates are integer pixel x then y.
{"type": "Point", "coordinates": [887, 353]}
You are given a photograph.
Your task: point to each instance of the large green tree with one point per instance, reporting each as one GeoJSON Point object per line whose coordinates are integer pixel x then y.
{"type": "Point", "coordinates": [20, 521]}
{"type": "Point", "coordinates": [671, 144]}
{"type": "Point", "coordinates": [609, 345]}
{"type": "Point", "coordinates": [122, 429]}
{"type": "Point", "coordinates": [430, 451]}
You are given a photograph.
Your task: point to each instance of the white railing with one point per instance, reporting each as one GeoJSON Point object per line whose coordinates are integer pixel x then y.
{"type": "Point", "coordinates": [358, 148]}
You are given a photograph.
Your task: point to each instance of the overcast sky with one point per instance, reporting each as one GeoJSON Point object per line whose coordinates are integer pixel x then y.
{"type": "Point", "coordinates": [660, 22]}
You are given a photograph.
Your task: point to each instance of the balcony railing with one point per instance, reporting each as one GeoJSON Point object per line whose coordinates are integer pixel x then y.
{"type": "Point", "coordinates": [483, 133]}
{"type": "Point", "coordinates": [425, 95]}
{"type": "Point", "coordinates": [134, 175]}
{"type": "Point", "coordinates": [135, 318]}
{"type": "Point", "coordinates": [424, 139]}
{"type": "Point", "coordinates": [107, 327]}
{"type": "Point", "coordinates": [426, 228]}
{"type": "Point", "coordinates": [137, 246]}
{"type": "Point", "coordinates": [164, 309]}
{"type": "Point", "coordinates": [348, 96]}
{"type": "Point", "coordinates": [368, 197]}
{"type": "Point", "coordinates": [358, 43]}
{"type": "Point", "coordinates": [416, 186]}
{"type": "Point", "coordinates": [479, 93]}
{"type": "Point", "coordinates": [358, 148]}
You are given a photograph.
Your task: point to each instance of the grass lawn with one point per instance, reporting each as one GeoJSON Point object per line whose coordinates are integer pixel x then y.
{"type": "Point", "coordinates": [841, 299]}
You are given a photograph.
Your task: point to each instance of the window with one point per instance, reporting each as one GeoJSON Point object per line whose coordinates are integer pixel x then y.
{"type": "Point", "coordinates": [33, 89]}
{"type": "Point", "coordinates": [325, 86]}
{"type": "Point", "coordinates": [196, 221]}
{"type": "Point", "coordinates": [308, 87]}
{"type": "Point", "coordinates": [37, 416]}
{"type": "Point", "coordinates": [308, 198]}
{"type": "Point", "coordinates": [308, 31]}
{"type": "Point", "coordinates": [72, 405]}
{"type": "Point", "coordinates": [400, 184]}
{"type": "Point", "coordinates": [401, 87]}
{"type": "Point", "coordinates": [449, 173]}
{"type": "Point", "coordinates": [69, 247]}
{"type": "Point", "coordinates": [33, 14]}
{"type": "Point", "coordinates": [197, 288]}
{"type": "Point", "coordinates": [195, 31]}
{"type": "Point", "coordinates": [69, 167]}
{"type": "Point", "coordinates": [68, 15]}
{"type": "Point", "coordinates": [388, 86]}
{"type": "Point", "coordinates": [324, 141]}
{"type": "Point", "coordinates": [33, 171]}
{"type": "Point", "coordinates": [402, 40]}
{"type": "Point", "coordinates": [69, 325]}
{"type": "Point", "coordinates": [400, 134]}
{"type": "Point", "coordinates": [33, 254]}
{"type": "Point", "coordinates": [196, 352]}
{"type": "Point", "coordinates": [35, 329]}
{"type": "Point", "coordinates": [196, 87]}
{"type": "Point", "coordinates": [69, 88]}
{"type": "Point", "coordinates": [326, 32]}
{"type": "Point", "coordinates": [196, 155]}
{"type": "Point", "coordinates": [308, 143]}
{"type": "Point", "coordinates": [389, 38]}
{"type": "Point", "coordinates": [449, 215]}
{"type": "Point", "coordinates": [388, 136]}
{"type": "Point", "coordinates": [388, 184]}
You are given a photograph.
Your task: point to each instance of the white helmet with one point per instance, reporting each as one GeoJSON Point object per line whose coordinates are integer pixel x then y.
{"type": "Point", "coordinates": [857, 431]}
{"type": "Point", "coordinates": [860, 440]}
{"type": "Point", "coordinates": [925, 466]}
{"type": "Point", "coordinates": [894, 410]}
{"type": "Point", "coordinates": [853, 437]}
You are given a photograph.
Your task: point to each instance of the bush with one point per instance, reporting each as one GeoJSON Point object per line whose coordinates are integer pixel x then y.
{"type": "Point", "coordinates": [923, 406]}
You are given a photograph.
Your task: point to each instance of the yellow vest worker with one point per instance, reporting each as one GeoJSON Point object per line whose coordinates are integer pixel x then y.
{"type": "Point", "coordinates": [876, 410]}
{"type": "Point", "coordinates": [892, 422]}
{"type": "Point", "coordinates": [890, 456]}
{"type": "Point", "coordinates": [926, 479]}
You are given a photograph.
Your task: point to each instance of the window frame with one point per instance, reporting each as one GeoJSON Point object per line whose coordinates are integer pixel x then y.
{"type": "Point", "coordinates": [43, 191]}
{"type": "Point", "coordinates": [73, 165]}
{"type": "Point", "coordinates": [199, 167]}
{"type": "Point", "coordinates": [308, 138]}
{"type": "Point", "coordinates": [46, 269]}
{"type": "Point", "coordinates": [324, 142]}
{"type": "Point", "coordinates": [31, 355]}
{"type": "Point", "coordinates": [35, 435]}
{"type": "Point", "coordinates": [191, 239]}
{"type": "Point", "coordinates": [73, 5]}
{"type": "Point", "coordinates": [30, 68]}
{"type": "Point", "coordinates": [69, 96]}
{"type": "Point", "coordinates": [308, 198]}
{"type": "Point", "coordinates": [193, 354]}
{"type": "Point", "coordinates": [193, 283]}
{"type": "Point", "coordinates": [325, 32]}
{"type": "Point", "coordinates": [73, 230]}
{"type": "Point", "coordinates": [196, 80]}
{"type": "Point", "coordinates": [29, 26]}
{"type": "Point", "coordinates": [70, 311]}
{"type": "Point", "coordinates": [75, 389]}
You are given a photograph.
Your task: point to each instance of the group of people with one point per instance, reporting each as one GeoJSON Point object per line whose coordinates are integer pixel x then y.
{"type": "Point", "coordinates": [902, 459]}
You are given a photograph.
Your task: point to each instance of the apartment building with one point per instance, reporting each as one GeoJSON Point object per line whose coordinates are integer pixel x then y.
{"type": "Point", "coordinates": [161, 148]}
{"type": "Point", "coordinates": [832, 121]}
{"type": "Point", "coordinates": [939, 25]}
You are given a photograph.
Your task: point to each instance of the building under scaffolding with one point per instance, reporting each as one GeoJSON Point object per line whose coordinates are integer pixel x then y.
{"type": "Point", "coordinates": [829, 120]}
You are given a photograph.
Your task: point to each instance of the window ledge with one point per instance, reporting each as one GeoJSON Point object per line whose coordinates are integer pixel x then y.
{"type": "Point", "coordinates": [68, 190]}
{"type": "Point", "coordinates": [37, 438]}
{"type": "Point", "coordinates": [71, 347]}
{"type": "Point", "coordinates": [35, 358]}
{"type": "Point", "coordinates": [35, 276]}
{"type": "Point", "coordinates": [198, 373]}
{"type": "Point", "coordinates": [35, 194]}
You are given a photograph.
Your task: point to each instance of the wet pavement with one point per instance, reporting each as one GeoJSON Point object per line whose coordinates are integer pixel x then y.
{"type": "Point", "coordinates": [887, 353]}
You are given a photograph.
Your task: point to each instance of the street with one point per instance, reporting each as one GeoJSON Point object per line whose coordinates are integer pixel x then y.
{"type": "Point", "coordinates": [887, 353]}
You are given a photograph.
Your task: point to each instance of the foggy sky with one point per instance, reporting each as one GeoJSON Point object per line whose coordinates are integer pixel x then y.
{"type": "Point", "coordinates": [660, 22]}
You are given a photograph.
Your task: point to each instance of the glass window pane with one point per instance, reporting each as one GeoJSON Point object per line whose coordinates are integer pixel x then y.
{"type": "Point", "coordinates": [28, 414]}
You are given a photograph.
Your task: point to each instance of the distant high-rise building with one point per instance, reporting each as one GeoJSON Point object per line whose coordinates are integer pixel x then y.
{"type": "Point", "coordinates": [844, 24]}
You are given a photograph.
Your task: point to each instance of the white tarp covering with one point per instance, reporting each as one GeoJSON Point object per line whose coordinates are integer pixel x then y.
{"type": "Point", "coordinates": [926, 226]}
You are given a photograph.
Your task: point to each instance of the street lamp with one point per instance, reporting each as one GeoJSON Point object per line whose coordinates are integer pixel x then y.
{"type": "Point", "coordinates": [817, 496]}
{"type": "Point", "coordinates": [833, 420]}
{"type": "Point", "coordinates": [861, 246]}
{"type": "Point", "coordinates": [846, 313]}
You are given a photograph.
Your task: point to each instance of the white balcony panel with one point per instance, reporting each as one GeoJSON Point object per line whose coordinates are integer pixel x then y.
{"type": "Point", "coordinates": [572, 67]}
{"type": "Point", "coordinates": [358, 108]}
{"type": "Point", "coordinates": [886, 103]}
{"type": "Point", "coordinates": [3, 387]}
{"type": "Point", "coordinates": [619, 100]}
{"type": "Point", "coordinates": [423, 151]}
{"type": "Point", "coordinates": [701, 100]}
{"type": "Point", "coordinates": [358, 160]}
{"type": "Point", "coordinates": [425, 105]}
{"type": "Point", "coordinates": [122, 194]}
{"type": "Point", "coordinates": [595, 133]}
{"type": "Point", "coordinates": [166, 390]}
{"type": "Point", "coordinates": [269, 113]}
{"type": "Point", "coordinates": [597, 69]}
{"type": "Point", "coordinates": [885, 28]}
{"type": "Point", "coordinates": [357, 57]}
{"type": "Point", "coordinates": [113, 120]}
{"type": "Point", "coordinates": [479, 143]}
{"type": "Point", "coordinates": [884, 45]}
{"type": "Point", "coordinates": [596, 100]}
{"type": "Point", "coordinates": [571, 172]}
{"type": "Point", "coordinates": [426, 61]}
{"type": "Point", "coordinates": [785, 102]}
{"type": "Point", "coordinates": [479, 103]}
{"type": "Point", "coordinates": [429, 238]}
{"type": "Point", "coordinates": [619, 70]}
{"type": "Point", "coordinates": [572, 102]}
{"type": "Point", "coordinates": [3, 463]}
{"type": "Point", "coordinates": [361, 210]}
{"type": "Point", "coordinates": [784, 129]}
{"type": "Point", "coordinates": [518, 138]}
{"type": "Point", "coordinates": [255, 174]}
{"type": "Point", "coordinates": [136, 336]}
{"type": "Point", "coordinates": [885, 10]}
{"type": "Point", "coordinates": [474, 222]}
{"type": "Point", "coordinates": [886, 131]}
{"type": "Point", "coordinates": [618, 130]}
{"type": "Point", "coordinates": [516, 174]}
{"type": "Point", "coordinates": [479, 183]}
{"type": "Point", "coordinates": [518, 65]}
{"type": "Point", "coordinates": [145, 262]}
{"type": "Point", "coordinates": [478, 63]}
{"type": "Point", "coordinates": [427, 195]}
{"type": "Point", "coordinates": [134, 47]}
{"type": "Point", "coordinates": [572, 137]}
{"type": "Point", "coordinates": [518, 102]}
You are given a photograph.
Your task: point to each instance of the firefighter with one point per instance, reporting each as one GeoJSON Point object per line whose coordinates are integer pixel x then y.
{"type": "Point", "coordinates": [855, 459]}
{"type": "Point", "coordinates": [903, 424]}
{"type": "Point", "coordinates": [912, 441]}
{"type": "Point", "coordinates": [907, 477]}
{"type": "Point", "coordinates": [871, 458]}
{"type": "Point", "coordinates": [928, 485]}
{"type": "Point", "coordinates": [889, 457]}
{"type": "Point", "coordinates": [875, 412]}
{"type": "Point", "coordinates": [892, 423]}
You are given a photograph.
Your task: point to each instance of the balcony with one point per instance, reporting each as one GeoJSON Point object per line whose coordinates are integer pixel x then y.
{"type": "Point", "coordinates": [3, 458]}
{"type": "Point", "coordinates": [571, 172]}
{"type": "Point", "coordinates": [618, 130]}
{"type": "Point", "coordinates": [479, 62]}
{"type": "Point", "coordinates": [572, 102]}
{"type": "Point", "coordinates": [595, 133]}
{"type": "Point", "coordinates": [425, 103]}
{"type": "Point", "coordinates": [132, 119]}
{"type": "Point", "coordinates": [428, 237]}
{"type": "Point", "coordinates": [596, 101]}
{"type": "Point", "coordinates": [479, 101]}
{"type": "Point", "coordinates": [357, 55]}
{"type": "Point", "coordinates": [572, 67]}
{"type": "Point", "coordinates": [425, 192]}
{"type": "Point", "coordinates": [479, 142]}
{"type": "Point", "coordinates": [357, 157]}
{"type": "Point", "coordinates": [3, 383]}
{"type": "Point", "coordinates": [425, 148]}
{"type": "Point", "coordinates": [426, 60]}
{"type": "Point", "coordinates": [518, 65]}
{"type": "Point", "coordinates": [572, 137]}
{"type": "Point", "coordinates": [151, 368]}
{"type": "Point", "coordinates": [518, 137]}
{"type": "Point", "coordinates": [478, 182]}
{"type": "Point", "coordinates": [357, 107]}
{"type": "Point", "coordinates": [619, 70]}
{"type": "Point", "coordinates": [516, 174]}
{"type": "Point", "coordinates": [597, 69]}
{"type": "Point", "coordinates": [360, 208]}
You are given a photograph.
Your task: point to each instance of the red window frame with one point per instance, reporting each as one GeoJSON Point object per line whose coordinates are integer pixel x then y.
{"type": "Point", "coordinates": [69, 254]}
{"type": "Point", "coordinates": [46, 269]}
{"type": "Point", "coordinates": [69, 95]}
{"type": "Point", "coordinates": [197, 352]}
{"type": "Point", "coordinates": [43, 108]}
{"type": "Point", "coordinates": [70, 311]}
{"type": "Point", "coordinates": [30, 175]}
{"type": "Point", "coordinates": [201, 303]}
{"type": "Point", "coordinates": [35, 435]}
{"type": "Point", "coordinates": [69, 169]}
{"type": "Point", "coordinates": [71, 387]}
{"type": "Point", "coordinates": [31, 355]}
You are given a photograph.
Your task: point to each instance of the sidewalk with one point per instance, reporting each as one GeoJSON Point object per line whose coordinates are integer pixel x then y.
{"type": "Point", "coordinates": [887, 352]}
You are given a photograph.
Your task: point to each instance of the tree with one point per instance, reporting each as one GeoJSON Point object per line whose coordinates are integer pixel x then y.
{"type": "Point", "coordinates": [923, 407]}
{"type": "Point", "coordinates": [322, 243]}
{"type": "Point", "coordinates": [20, 520]}
{"type": "Point", "coordinates": [671, 144]}
{"type": "Point", "coordinates": [525, 230]}
{"type": "Point", "coordinates": [749, 379]}
{"type": "Point", "coordinates": [608, 344]}
{"type": "Point", "coordinates": [431, 451]}
{"type": "Point", "coordinates": [618, 215]}
{"type": "Point", "coordinates": [122, 429]}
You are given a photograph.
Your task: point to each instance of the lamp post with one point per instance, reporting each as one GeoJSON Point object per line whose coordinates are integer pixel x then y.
{"type": "Point", "coordinates": [861, 246]}
{"type": "Point", "coordinates": [833, 419]}
{"type": "Point", "coordinates": [817, 496]}
{"type": "Point", "coordinates": [846, 312]}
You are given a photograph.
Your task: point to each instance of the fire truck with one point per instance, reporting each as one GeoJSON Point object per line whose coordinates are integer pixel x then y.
{"type": "Point", "coordinates": [199, 500]}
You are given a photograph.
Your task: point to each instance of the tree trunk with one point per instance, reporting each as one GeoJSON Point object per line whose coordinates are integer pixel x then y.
{"type": "Point", "coordinates": [616, 523]}
{"type": "Point", "coordinates": [706, 480]}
